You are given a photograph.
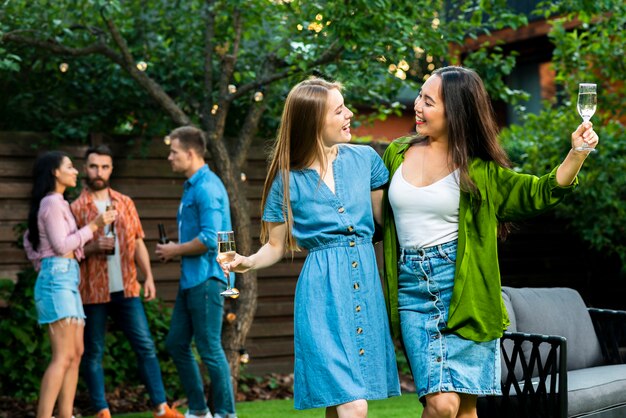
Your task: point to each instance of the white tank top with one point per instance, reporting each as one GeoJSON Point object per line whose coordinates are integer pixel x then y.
{"type": "Point", "coordinates": [425, 216]}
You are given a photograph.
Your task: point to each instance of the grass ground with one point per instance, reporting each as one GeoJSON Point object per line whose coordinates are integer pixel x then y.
{"type": "Point", "coordinates": [398, 407]}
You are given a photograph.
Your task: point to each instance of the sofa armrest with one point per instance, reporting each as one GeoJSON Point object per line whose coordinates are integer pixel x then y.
{"type": "Point", "coordinates": [542, 388]}
{"type": "Point", "coordinates": [610, 326]}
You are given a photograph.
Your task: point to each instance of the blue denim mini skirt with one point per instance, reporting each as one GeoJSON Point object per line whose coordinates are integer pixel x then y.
{"type": "Point", "coordinates": [56, 291]}
{"type": "Point", "coordinates": [440, 361]}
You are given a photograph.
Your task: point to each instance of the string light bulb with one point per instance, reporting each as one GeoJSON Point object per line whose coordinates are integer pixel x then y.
{"type": "Point", "coordinates": [232, 89]}
{"type": "Point", "coordinates": [214, 109]}
{"type": "Point", "coordinates": [244, 357]}
{"type": "Point", "coordinates": [243, 176]}
{"type": "Point", "coordinates": [63, 67]}
{"type": "Point", "coordinates": [142, 66]}
{"type": "Point", "coordinates": [258, 96]}
{"type": "Point", "coordinates": [167, 140]}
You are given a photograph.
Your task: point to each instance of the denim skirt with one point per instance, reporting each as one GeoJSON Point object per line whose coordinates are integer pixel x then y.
{"type": "Point", "coordinates": [440, 361]}
{"type": "Point", "coordinates": [56, 291]}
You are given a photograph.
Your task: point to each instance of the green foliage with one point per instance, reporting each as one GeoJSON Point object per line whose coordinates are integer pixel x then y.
{"type": "Point", "coordinates": [597, 209]}
{"type": "Point", "coordinates": [25, 349]}
{"type": "Point", "coordinates": [96, 94]}
{"type": "Point", "coordinates": [592, 52]}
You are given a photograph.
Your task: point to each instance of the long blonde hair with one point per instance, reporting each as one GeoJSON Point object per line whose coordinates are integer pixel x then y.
{"type": "Point", "coordinates": [298, 143]}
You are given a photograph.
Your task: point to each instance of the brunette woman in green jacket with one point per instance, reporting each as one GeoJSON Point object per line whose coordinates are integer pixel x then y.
{"type": "Point", "coordinates": [450, 196]}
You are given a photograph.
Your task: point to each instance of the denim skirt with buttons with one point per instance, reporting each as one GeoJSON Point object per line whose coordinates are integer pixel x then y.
{"type": "Point", "coordinates": [56, 291]}
{"type": "Point", "coordinates": [440, 361]}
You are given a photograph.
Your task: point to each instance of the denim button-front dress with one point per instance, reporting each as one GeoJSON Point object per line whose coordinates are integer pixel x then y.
{"type": "Point", "coordinates": [343, 347]}
{"type": "Point", "coordinates": [440, 361]}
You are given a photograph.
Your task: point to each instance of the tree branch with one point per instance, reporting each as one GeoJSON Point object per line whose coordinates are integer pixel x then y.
{"type": "Point", "coordinates": [228, 68]}
{"type": "Point", "coordinates": [329, 55]}
{"type": "Point", "coordinates": [151, 87]}
{"type": "Point", "coordinates": [207, 104]}
{"type": "Point", "coordinates": [59, 49]}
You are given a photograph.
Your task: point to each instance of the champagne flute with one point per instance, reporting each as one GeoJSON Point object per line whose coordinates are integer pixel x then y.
{"type": "Point", "coordinates": [226, 254]}
{"type": "Point", "coordinates": [587, 101]}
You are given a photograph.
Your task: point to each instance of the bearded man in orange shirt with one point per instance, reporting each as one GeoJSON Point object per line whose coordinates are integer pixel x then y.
{"type": "Point", "coordinates": [109, 286]}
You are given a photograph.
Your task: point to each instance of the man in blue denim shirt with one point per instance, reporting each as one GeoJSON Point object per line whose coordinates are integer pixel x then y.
{"type": "Point", "coordinates": [204, 210]}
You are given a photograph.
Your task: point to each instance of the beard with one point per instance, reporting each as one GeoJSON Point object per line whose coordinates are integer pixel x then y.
{"type": "Point", "coordinates": [96, 184]}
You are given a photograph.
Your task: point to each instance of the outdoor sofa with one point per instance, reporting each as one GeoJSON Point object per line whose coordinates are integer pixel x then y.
{"type": "Point", "coordinates": [559, 358]}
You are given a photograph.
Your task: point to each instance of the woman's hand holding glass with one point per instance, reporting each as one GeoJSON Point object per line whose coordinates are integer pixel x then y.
{"type": "Point", "coordinates": [584, 138]}
{"type": "Point", "coordinates": [238, 264]}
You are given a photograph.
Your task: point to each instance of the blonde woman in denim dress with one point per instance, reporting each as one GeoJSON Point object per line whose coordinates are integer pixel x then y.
{"type": "Point", "coordinates": [55, 245]}
{"type": "Point", "coordinates": [319, 195]}
{"type": "Point", "coordinates": [451, 191]}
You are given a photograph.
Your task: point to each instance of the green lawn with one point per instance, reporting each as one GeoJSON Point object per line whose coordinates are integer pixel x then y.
{"type": "Point", "coordinates": [399, 407]}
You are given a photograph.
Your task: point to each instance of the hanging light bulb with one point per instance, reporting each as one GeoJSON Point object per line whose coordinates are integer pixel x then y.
{"type": "Point", "coordinates": [142, 66]}
{"type": "Point", "coordinates": [167, 140]}
{"type": "Point", "coordinates": [231, 317]}
{"type": "Point", "coordinates": [63, 67]}
{"type": "Point", "coordinates": [232, 89]}
{"type": "Point", "coordinates": [244, 177]}
{"type": "Point", "coordinates": [244, 357]}
{"type": "Point", "coordinates": [258, 96]}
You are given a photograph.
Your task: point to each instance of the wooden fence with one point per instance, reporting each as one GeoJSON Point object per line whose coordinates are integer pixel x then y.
{"type": "Point", "coordinates": [540, 253]}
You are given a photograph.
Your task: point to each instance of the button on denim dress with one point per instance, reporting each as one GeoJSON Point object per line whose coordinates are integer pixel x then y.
{"type": "Point", "coordinates": [343, 347]}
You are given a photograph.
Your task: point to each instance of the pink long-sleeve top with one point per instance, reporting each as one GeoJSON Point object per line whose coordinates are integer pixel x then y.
{"type": "Point", "coordinates": [58, 233]}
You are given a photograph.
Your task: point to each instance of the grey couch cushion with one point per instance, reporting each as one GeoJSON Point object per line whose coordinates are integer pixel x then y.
{"type": "Point", "coordinates": [595, 389]}
{"type": "Point", "coordinates": [557, 311]}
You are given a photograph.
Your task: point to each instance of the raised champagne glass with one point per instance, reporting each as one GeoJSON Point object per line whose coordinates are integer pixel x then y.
{"type": "Point", "coordinates": [587, 101]}
{"type": "Point", "coordinates": [226, 254]}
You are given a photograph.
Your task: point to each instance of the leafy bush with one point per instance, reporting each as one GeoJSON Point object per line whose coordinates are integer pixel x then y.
{"type": "Point", "coordinates": [597, 209]}
{"type": "Point", "coordinates": [25, 349]}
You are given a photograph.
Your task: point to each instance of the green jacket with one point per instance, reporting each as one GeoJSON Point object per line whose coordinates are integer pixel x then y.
{"type": "Point", "coordinates": [476, 310]}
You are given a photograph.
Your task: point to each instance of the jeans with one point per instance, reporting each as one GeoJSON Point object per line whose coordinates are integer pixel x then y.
{"type": "Point", "coordinates": [440, 361]}
{"type": "Point", "coordinates": [198, 314]}
{"type": "Point", "coordinates": [130, 317]}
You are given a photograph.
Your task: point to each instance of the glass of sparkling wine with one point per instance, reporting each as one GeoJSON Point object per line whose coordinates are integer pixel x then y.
{"type": "Point", "coordinates": [587, 101]}
{"type": "Point", "coordinates": [226, 254]}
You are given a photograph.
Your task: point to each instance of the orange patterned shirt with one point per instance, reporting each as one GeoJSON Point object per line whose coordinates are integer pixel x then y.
{"type": "Point", "coordinates": [94, 283]}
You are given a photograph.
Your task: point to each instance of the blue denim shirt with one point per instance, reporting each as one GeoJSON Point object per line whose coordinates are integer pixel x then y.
{"type": "Point", "coordinates": [204, 209]}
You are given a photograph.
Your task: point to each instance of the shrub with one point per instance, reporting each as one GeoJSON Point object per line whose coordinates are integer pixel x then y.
{"type": "Point", "coordinates": [597, 209]}
{"type": "Point", "coordinates": [25, 348]}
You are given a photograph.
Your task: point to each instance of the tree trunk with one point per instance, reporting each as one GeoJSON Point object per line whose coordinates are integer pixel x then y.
{"type": "Point", "coordinates": [244, 307]}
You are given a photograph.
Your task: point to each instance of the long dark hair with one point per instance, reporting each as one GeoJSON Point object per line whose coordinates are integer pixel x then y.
{"type": "Point", "coordinates": [298, 143]}
{"type": "Point", "coordinates": [471, 125]}
{"type": "Point", "coordinates": [44, 182]}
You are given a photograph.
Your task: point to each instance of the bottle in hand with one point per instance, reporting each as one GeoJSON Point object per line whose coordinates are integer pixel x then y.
{"type": "Point", "coordinates": [110, 232]}
{"type": "Point", "coordinates": [162, 235]}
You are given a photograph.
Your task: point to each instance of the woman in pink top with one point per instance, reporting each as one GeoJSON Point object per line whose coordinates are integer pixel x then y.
{"type": "Point", "coordinates": [55, 245]}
